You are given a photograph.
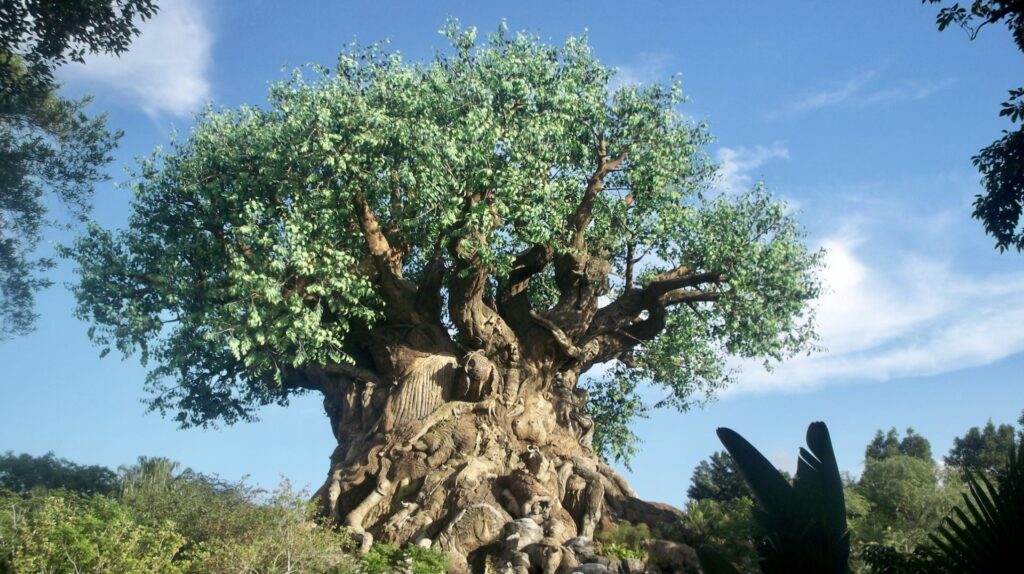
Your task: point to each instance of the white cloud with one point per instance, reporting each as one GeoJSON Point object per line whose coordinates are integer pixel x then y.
{"type": "Point", "coordinates": [901, 316]}
{"type": "Point", "coordinates": [648, 68]}
{"type": "Point", "coordinates": [835, 95]}
{"type": "Point", "coordinates": [165, 69]}
{"type": "Point", "coordinates": [736, 164]}
{"type": "Point", "coordinates": [858, 91]}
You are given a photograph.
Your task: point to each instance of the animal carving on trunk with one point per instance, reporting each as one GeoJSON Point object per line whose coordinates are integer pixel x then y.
{"type": "Point", "coordinates": [478, 378]}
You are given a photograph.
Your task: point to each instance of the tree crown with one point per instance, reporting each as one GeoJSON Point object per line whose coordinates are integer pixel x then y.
{"type": "Point", "coordinates": [505, 184]}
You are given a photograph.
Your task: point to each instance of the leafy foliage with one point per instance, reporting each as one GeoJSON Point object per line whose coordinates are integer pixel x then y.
{"type": "Point", "coordinates": [411, 559]}
{"type": "Point", "coordinates": [728, 526]}
{"type": "Point", "coordinates": [625, 541]}
{"type": "Point", "coordinates": [883, 559]}
{"type": "Point", "coordinates": [165, 519]}
{"type": "Point", "coordinates": [1002, 163]}
{"type": "Point", "coordinates": [982, 450]}
{"type": "Point", "coordinates": [906, 501]}
{"type": "Point", "coordinates": [717, 478]}
{"type": "Point", "coordinates": [45, 34]}
{"type": "Point", "coordinates": [256, 248]}
{"type": "Point", "coordinates": [613, 404]}
{"type": "Point", "coordinates": [24, 472]}
{"type": "Point", "coordinates": [63, 532]}
{"type": "Point", "coordinates": [890, 444]}
{"type": "Point", "coordinates": [48, 143]}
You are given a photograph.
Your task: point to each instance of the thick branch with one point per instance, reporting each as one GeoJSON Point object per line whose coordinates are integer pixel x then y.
{"type": "Point", "coordinates": [397, 293]}
{"type": "Point", "coordinates": [355, 373]}
{"type": "Point", "coordinates": [514, 299]}
{"type": "Point", "coordinates": [428, 294]}
{"type": "Point", "coordinates": [575, 272]}
{"type": "Point", "coordinates": [386, 259]}
{"type": "Point", "coordinates": [581, 354]}
{"type": "Point", "coordinates": [479, 324]}
{"type": "Point", "coordinates": [669, 288]}
{"type": "Point", "coordinates": [580, 218]}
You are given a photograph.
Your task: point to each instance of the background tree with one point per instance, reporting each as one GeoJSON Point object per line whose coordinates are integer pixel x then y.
{"type": "Point", "coordinates": [717, 478]}
{"type": "Point", "coordinates": [890, 444]}
{"type": "Point", "coordinates": [25, 472]}
{"type": "Point", "coordinates": [47, 143]}
{"type": "Point", "coordinates": [907, 501]}
{"type": "Point", "coordinates": [720, 510]}
{"type": "Point", "coordinates": [899, 499]}
{"type": "Point", "coordinates": [431, 247]}
{"type": "Point", "coordinates": [983, 450]}
{"type": "Point", "coordinates": [1002, 163]}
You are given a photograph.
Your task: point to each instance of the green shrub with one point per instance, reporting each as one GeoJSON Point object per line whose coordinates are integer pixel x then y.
{"type": "Point", "coordinates": [411, 559]}
{"type": "Point", "coordinates": [729, 526]}
{"type": "Point", "coordinates": [62, 532]}
{"type": "Point", "coordinates": [172, 521]}
{"type": "Point", "coordinates": [625, 541]}
{"type": "Point", "coordinates": [425, 560]}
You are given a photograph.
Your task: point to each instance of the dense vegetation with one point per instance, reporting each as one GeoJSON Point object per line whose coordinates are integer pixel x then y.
{"type": "Point", "coordinates": [57, 517]}
{"type": "Point", "coordinates": [894, 509]}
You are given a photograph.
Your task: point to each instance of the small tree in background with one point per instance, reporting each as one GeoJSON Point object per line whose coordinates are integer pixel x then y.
{"type": "Point", "coordinates": [23, 473]}
{"type": "Point", "coordinates": [717, 478]}
{"type": "Point", "coordinates": [983, 450]}
{"type": "Point", "coordinates": [890, 444]}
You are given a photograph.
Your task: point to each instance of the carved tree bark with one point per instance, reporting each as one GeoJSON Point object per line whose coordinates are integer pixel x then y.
{"type": "Point", "coordinates": [458, 441]}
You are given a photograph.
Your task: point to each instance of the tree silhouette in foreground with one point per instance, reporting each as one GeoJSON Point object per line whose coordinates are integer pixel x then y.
{"type": "Point", "coordinates": [442, 250]}
{"type": "Point", "coordinates": [48, 145]}
{"type": "Point", "coordinates": [1002, 163]}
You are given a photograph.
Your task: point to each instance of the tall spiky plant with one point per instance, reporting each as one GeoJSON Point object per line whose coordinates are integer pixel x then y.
{"type": "Point", "coordinates": [986, 532]}
{"type": "Point", "coordinates": [805, 520]}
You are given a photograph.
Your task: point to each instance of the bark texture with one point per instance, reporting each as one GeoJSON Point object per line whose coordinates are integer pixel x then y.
{"type": "Point", "coordinates": [491, 465]}
{"type": "Point", "coordinates": [477, 442]}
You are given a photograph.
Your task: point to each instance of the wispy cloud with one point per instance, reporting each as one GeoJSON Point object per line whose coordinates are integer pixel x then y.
{"type": "Point", "coordinates": [861, 91]}
{"type": "Point", "coordinates": [646, 69]}
{"type": "Point", "coordinates": [906, 315]}
{"type": "Point", "coordinates": [165, 71]}
{"type": "Point", "coordinates": [737, 164]}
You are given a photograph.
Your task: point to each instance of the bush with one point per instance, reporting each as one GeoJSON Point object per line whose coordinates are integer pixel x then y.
{"type": "Point", "coordinates": [625, 541]}
{"type": "Point", "coordinates": [729, 526]}
{"type": "Point", "coordinates": [60, 532]}
{"type": "Point", "coordinates": [166, 520]}
{"type": "Point", "coordinates": [411, 559]}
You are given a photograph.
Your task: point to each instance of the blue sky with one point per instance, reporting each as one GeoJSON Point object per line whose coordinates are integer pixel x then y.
{"type": "Point", "coordinates": [861, 115]}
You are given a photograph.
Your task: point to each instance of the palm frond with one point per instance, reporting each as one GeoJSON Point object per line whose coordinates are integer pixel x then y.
{"type": "Point", "coordinates": [984, 534]}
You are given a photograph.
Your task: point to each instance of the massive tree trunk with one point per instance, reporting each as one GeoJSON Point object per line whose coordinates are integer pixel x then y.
{"type": "Point", "coordinates": [452, 450]}
{"type": "Point", "coordinates": [478, 443]}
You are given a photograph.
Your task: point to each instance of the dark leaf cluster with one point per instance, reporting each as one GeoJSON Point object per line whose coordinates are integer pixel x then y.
{"type": "Point", "coordinates": [48, 145]}
{"type": "Point", "coordinates": [1002, 163]}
